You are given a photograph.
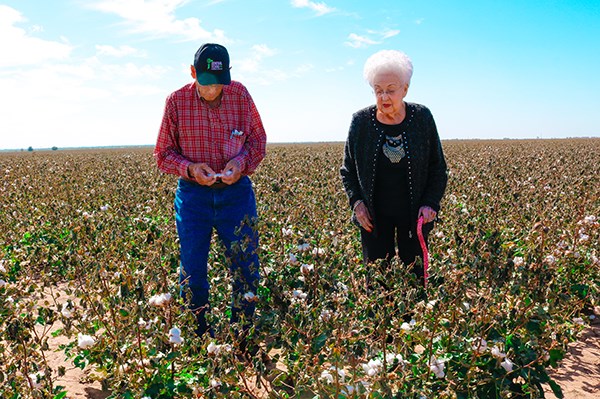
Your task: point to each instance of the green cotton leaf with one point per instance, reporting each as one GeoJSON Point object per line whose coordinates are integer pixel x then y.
{"type": "Point", "coordinates": [556, 355]}
{"type": "Point", "coordinates": [80, 361]}
{"type": "Point", "coordinates": [319, 342]}
{"type": "Point", "coordinates": [60, 395]}
{"type": "Point", "coordinates": [57, 333]}
{"type": "Point", "coordinates": [556, 389]}
{"type": "Point", "coordinates": [580, 289]}
{"type": "Point", "coordinates": [533, 326]}
{"type": "Point", "coordinates": [123, 312]}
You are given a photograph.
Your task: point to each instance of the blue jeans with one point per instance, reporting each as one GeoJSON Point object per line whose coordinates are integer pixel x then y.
{"type": "Point", "coordinates": [231, 211]}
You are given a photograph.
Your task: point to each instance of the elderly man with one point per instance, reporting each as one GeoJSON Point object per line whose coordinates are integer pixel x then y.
{"type": "Point", "coordinates": [212, 137]}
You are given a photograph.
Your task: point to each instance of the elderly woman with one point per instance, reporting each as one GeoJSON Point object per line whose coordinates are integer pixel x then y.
{"type": "Point", "coordinates": [394, 171]}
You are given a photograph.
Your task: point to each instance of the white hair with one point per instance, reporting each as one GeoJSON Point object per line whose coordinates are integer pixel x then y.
{"type": "Point", "coordinates": [388, 61]}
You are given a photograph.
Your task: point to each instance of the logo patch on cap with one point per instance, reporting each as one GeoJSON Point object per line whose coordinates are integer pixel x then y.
{"type": "Point", "coordinates": [214, 65]}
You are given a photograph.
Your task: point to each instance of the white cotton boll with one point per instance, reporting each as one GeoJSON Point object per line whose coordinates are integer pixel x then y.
{"type": "Point", "coordinates": [215, 383]}
{"type": "Point", "coordinates": [306, 269]}
{"type": "Point", "coordinates": [104, 208]}
{"type": "Point", "coordinates": [550, 259]}
{"type": "Point", "coordinates": [518, 261]}
{"type": "Point", "coordinates": [212, 349]}
{"type": "Point", "coordinates": [507, 365]}
{"type": "Point", "coordinates": [318, 251]}
{"type": "Point", "coordinates": [341, 286]}
{"type": "Point", "coordinates": [36, 379]}
{"type": "Point", "coordinates": [579, 321]}
{"type": "Point", "coordinates": [480, 345]}
{"type": "Point", "coordinates": [390, 358]}
{"type": "Point", "coordinates": [590, 219]}
{"type": "Point", "coordinates": [546, 356]}
{"type": "Point", "coordinates": [408, 326]}
{"type": "Point", "coordinates": [327, 376]}
{"type": "Point", "coordinates": [299, 294]}
{"type": "Point", "coordinates": [2, 283]}
{"type": "Point", "coordinates": [2, 269]}
{"type": "Point", "coordinates": [373, 367]}
{"type": "Point", "coordinates": [85, 341]}
{"type": "Point", "coordinates": [66, 312]}
{"type": "Point", "coordinates": [160, 299]}
{"type": "Point", "coordinates": [325, 315]}
{"type": "Point", "coordinates": [286, 232]}
{"type": "Point", "coordinates": [437, 367]}
{"type": "Point", "coordinates": [303, 247]}
{"type": "Point", "coordinates": [175, 336]}
{"type": "Point", "coordinates": [497, 353]}
{"type": "Point", "coordinates": [293, 259]}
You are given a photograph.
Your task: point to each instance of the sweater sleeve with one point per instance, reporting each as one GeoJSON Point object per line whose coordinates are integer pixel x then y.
{"type": "Point", "coordinates": [348, 170]}
{"type": "Point", "coordinates": [437, 178]}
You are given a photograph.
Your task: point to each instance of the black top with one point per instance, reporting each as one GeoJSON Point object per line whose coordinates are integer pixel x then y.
{"type": "Point", "coordinates": [427, 175]}
{"type": "Point", "coordinates": [391, 178]}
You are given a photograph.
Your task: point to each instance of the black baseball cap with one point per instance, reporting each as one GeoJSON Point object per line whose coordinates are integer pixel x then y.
{"type": "Point", "coordinates": [212, 65]}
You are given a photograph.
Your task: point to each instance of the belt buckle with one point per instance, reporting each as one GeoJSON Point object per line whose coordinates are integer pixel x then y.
{"type": "Point", "coordinates": [218, 184]}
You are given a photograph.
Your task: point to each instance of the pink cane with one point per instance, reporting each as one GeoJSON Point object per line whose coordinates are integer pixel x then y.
{"type": "Point", "coordinates": [423, 249]}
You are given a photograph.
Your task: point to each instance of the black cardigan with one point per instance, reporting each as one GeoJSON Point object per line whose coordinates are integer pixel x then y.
{"type": "Point", "coordinates": [427, 171]}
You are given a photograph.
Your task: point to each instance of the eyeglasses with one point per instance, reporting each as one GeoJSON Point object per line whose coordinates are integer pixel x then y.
{"type": "Point", "coordinates": [381, 93]}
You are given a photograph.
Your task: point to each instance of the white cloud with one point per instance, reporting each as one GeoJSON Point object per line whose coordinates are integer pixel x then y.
{"type": "Point", "coordinates": [20, 49]}
{"type": "Point", "coordinates": [255, 61]}
{"type": "Point", "coordinates": [319, 8]}
{"type": "Point", "coordinates": [357, 41]}
{"type": "Point", "coordinates": [256, 70]}
{"type": "Point", "coordinates": [121, 51]}
{"type": "Point", "coordinates": [157, 18]}
{"type": "Point", "coordinates": [386, 34]}
{"type": "Point", "coordinates": [51, 97]}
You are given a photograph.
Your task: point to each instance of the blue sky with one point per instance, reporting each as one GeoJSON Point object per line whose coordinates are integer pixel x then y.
{"type": "Point", "coordinates": [96, 72]}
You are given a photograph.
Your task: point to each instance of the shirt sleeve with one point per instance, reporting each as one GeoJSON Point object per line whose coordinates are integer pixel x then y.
{"type": "Point", "coordinates": [168, 150]}
{"type": "Point", "coordinates": [254, 149]}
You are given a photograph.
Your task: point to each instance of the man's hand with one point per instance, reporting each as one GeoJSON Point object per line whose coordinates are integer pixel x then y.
{"type": "Point", "coordinates": [231, 173]}
{"type": "Point", "coordinates": [202, 174]}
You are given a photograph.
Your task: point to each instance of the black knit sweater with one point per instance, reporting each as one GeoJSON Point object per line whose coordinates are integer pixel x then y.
{"type": "Point", "coordinates": [427, 172]}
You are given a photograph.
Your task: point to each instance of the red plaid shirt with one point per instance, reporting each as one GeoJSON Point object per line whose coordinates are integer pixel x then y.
{"type": "Point", "coordinates": [192, 132]}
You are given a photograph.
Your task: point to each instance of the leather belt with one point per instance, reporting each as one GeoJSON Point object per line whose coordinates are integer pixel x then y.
{"type": "Point", "coordinates": [216, 185]}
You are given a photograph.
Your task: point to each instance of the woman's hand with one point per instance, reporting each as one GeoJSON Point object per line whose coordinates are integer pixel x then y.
{"type": "Point", "coordinates": [427, 213]}
{"type": "Point", "coordinates": [363, 216]}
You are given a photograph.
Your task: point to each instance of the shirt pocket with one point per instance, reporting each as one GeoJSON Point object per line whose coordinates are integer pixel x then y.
{"type": "Point", "coordinates": [234, 143]}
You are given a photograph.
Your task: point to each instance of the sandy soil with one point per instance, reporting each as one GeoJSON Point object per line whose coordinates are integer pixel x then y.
{"type": "Point", "coordinates": [579, 374]}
